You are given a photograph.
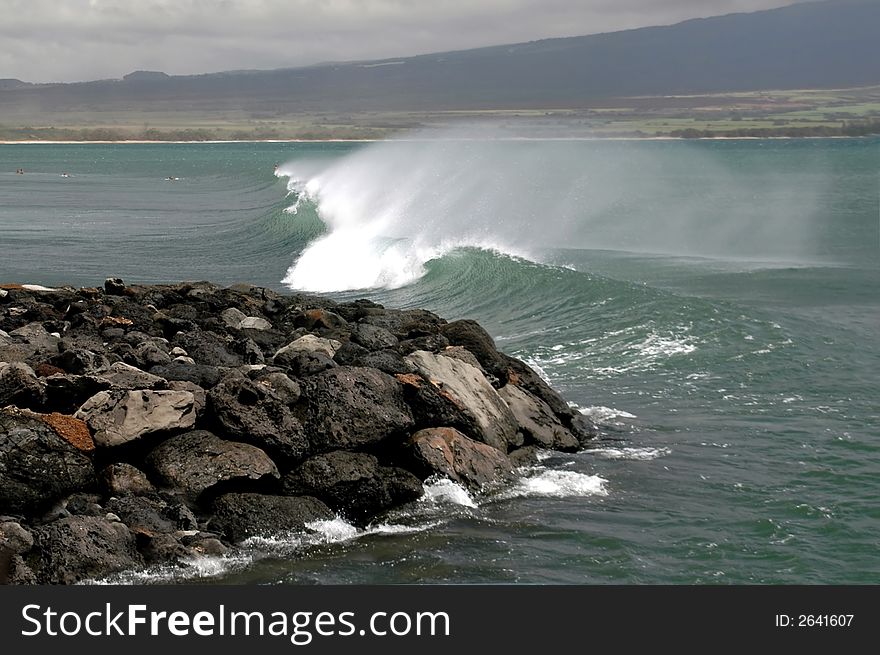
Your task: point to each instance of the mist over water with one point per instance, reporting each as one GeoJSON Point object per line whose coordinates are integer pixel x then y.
{"type": "Point", "coordinates": [393, 206]}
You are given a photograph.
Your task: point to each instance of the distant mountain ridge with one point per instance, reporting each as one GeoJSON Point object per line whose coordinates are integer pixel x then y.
{"type": "Point", "coordinates": [810, 45]}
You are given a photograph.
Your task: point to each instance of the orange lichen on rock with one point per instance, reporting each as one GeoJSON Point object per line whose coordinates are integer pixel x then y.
{"type": "Point", "coordinates": [116, 321]}
{"type": "Point", "coordinates": [72, 430]}
{"type": "Point", "coordinates": [410, 379]}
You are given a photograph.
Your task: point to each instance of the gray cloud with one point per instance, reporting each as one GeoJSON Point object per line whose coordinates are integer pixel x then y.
{"type": "Point", "coordinates": [47, 40]}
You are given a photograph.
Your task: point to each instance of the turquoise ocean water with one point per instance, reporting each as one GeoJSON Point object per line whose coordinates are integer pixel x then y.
{"type": "Point", "coordinates": [714, 306]}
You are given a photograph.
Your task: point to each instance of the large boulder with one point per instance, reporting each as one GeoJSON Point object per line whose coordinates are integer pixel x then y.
{"type": "Point", "coordinates": [469, 390]}
{"type": "Point", "coordinates": [119, 417]}
{"type": "Point", "coordinates": [19, 386]}
{"type": "Point", "coordinates": [77, 548]}
{"type": "Point", "coordinates": [537, 421]}
{"type": "Point", "coordinates": [353, 484]}
{"type": "Point", "coordinates": [37, 466]}
{"type": "Point", "coordinates": [474, 338]}
{"type": "Point", "coordinates": [447, 452]}
{"type": "Point", "coordinates": [346, 408]}
{"type": "Point", "coordinates": [523, 376]}
{"type": "Point", "coordinates": [245, 410]}
{"type": "Point", "coordinates": [206, 347]}
{"type": "Point", "coordinates": [197, 461]}
{"type": "Point", "coordinates": [238, 516]}
{"type": "Point", "coordinates": [153, 513]}
{"type": "Point", "coordinates": [432, 407]}
{"type": "Point", "coordinates": [406, 323]}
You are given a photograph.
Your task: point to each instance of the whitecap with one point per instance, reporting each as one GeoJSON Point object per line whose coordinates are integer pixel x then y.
{"type": "Point", "coordinates": [631, 453]}
{"type": "Point", "coordinates": [559, 484]}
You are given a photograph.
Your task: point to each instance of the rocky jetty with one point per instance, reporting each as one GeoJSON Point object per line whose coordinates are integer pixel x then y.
{"type": "Point", "coordinates": [145, 425]}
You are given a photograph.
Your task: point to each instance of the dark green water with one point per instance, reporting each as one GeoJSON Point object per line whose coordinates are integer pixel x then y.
{"type": "Point", "coordinates": [714, 305]}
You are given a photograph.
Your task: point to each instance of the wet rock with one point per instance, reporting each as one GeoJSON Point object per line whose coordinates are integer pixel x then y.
{"type": "Point", "coordinates": [159, 547]}
{"type": "Point", "coordinates": [523, 376]}
{"type": "Point", "coordinates": [353, 483]}
{"type": "Point", "coordinates": [241, 515]}
{"type": "Point", "coordinates": [144, 513]}
{"type": "Point", "coordinates": [447, 452]}
{"type": "Point", "coordinates": [37, 466]}
{"type": "Point", "coordinates": [76, 548]}
{"type": "Point", "coordinates": [251, 412]}
{"type": "Point", "coordinates": [526, 456]}
{"type": "Point", "coordinates": [126, 377]}
{"type": "Point", "coordinates": [123, 479]}
{"type": "Point", "coordinates": [432, 407]}
{"type": "Point", "coordinates": [197, 461]}
{"type": "Point", "coordinates": [346, 407]}
{"type": "Point", "coordinates": [373, 337]}
{"type": "Point", "coordinates": [308, 344]}
{"type": "Point", "coordinates": [537, 421]}
{"type": "Point", "coordinates": [584, 430]}
{"type": "Point", "coordinates": [19, 386]}
{"type": "Point", "coordinates": [118, 417]}
{"type": "Point", "coordinates": [466, 388]}
{"type": "Point", "coordinates": [471, 335]}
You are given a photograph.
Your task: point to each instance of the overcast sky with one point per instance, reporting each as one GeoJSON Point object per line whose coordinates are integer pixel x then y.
{"type": "Point", "coordinates": [70, 40]}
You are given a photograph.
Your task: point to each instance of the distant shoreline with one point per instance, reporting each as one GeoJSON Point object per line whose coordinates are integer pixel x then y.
{"type": "Point", "coordinates": [564, 138]}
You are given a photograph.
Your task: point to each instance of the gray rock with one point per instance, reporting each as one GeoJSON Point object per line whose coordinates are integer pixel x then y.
{"type": "Point", "coordinates": [199, 394]}
{"type": "Point", "coordinates": [287, 390]}
{"type": "Point", "coordinates": [232, 317]}
{"type": "Point", "coordinates": [19, 386]}
{"type": "Point", "coordinates": [252, 412]}
{"type": "Point", "coordinates": [80, 361]}
{"type": "Point", "coordinates": [37, 466]}
{"type": "Point", "coordinates": [128, 378]}
{"type": "Point", "coordinates": [36, 335]}
{"type": "Point", "coordinates": [301, 363]}
{"type": "Point", "coordinates": [346, 408]}
{"type": "Point", "coordinates": [353, 483]}
{"type": "Point", "coordinates": [15, 538]}
{"type": "Point", "coordinates": [447, 452]}
{"type": "Point", "coordinates": [537, 421]}
{"type": "Point", "coordinates": [77, 548]}
{"type": "Point", "coordinates": [200, 374]}
{"type": "Point", "coordinates": [373, 337]}
{"type": "Point", "coordinates": [118, 417]}
{"type": "Point", "coordinates": [125, 480]}
{"type": "Point", "coordinates": [198, 460]}
{"type": "Point", "coordinates": [472, 336]}
{"type": "Point", "coordinates": [239, 516]}
{"type": "Point", "coordinates": [206, 347]}
{"type": "Point", "coordinates": [114, 286]}
{"type": "Point", "coordinates": [308, 343]}
{"type": "Point", "coordinates": [254, 323]}
{"type": "Point", "coordinates": [466, 387]}
{"type": "Point", "coordinates": [524, 377]}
